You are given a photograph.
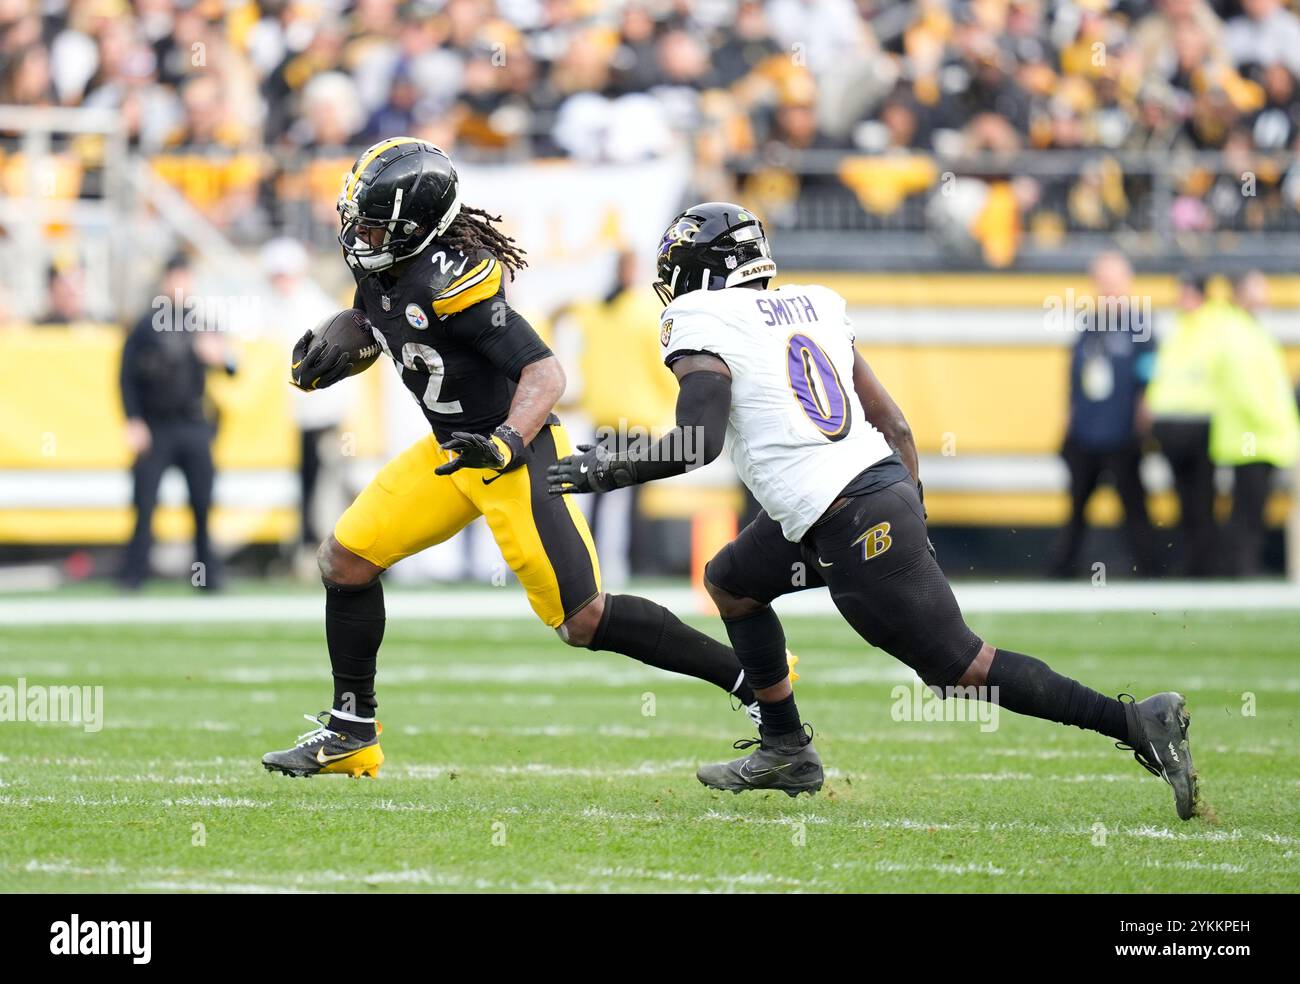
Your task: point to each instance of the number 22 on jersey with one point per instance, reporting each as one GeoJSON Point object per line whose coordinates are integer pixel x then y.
{"type": "Point", "coordinates": [416, 355]}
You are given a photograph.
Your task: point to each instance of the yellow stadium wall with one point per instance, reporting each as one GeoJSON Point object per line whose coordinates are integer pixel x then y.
{"type": "Point", "coordinates": [60, 410]}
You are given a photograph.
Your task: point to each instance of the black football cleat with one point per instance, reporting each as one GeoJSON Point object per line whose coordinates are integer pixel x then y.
{"type": "Point", "coordinates": [785, 762]}
{"type": "Point", "coordinates": [323, 752]}
{"type": "Point", "coordinates": [1157, 730]}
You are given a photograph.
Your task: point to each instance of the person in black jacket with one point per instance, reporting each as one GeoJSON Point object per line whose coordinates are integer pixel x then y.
{"type": "Point", "coordinates": [1110, 364]}
{"type": "Point", "coordinates": [164, 364]}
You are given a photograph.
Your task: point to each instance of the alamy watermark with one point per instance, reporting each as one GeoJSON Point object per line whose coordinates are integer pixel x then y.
{"type": "Point", "coordinates": [40, 704]}
{"type": "Point", "coordinates": [684, 444]}
{"type": "Point", "coordinates": [182, 311]}
{"type": "Point", "coordinates": [919, 702]}
{"type": "Point", "coordinates": [1086, 312]}
{"type": "Point", "coordinates": [102, 938]}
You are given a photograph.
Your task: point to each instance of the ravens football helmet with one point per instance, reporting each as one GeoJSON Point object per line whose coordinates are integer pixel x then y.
{"type": "Point", "coordinates": [400, 195]}
{"type": "Point", "coordinates": [710, 246]}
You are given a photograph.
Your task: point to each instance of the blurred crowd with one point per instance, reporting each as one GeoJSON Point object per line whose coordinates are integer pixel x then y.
{"type": "Point", "coordinates": [253, 107]}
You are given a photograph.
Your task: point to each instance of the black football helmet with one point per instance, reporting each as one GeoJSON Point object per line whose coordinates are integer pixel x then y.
{"type": "Point", "coordinates": [405, 186]}
{"type": "Point", "coordinates": [710, 246]}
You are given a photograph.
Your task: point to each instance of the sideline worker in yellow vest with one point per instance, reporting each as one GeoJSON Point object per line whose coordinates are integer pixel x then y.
{"type": "Point", "coordinates": [1181, 400]}
{"type": "Point", "coordinates": [1255, 428]}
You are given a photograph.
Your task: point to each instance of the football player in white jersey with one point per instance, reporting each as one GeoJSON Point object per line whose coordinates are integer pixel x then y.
{"type": "Point", "coordinates": [829, 456]}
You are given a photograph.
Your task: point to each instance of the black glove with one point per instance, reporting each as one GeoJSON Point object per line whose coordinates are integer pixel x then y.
{"type": "Point", "coordinates": [595, 470]}
{"type": "Point", "coordinates": [503, 450]}
{"type": "Point", "coordinates": [317, 365]}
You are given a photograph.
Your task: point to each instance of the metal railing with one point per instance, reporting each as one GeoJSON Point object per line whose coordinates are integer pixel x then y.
{"type": "Point", "coordinates": [1164, 209]}
{"type": "Point", "coordinates": [29, 212]}
{"type": "Point", "coordinates": [121, 222]}
{"type": "Point", "coordinates": [1176, 208]}
{"type": "Point", "coordinates": [1250, 215]}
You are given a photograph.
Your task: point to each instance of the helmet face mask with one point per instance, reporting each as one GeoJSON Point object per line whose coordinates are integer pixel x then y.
{"type": "Point", "coordinates": [405, 187]}
{"type": "Point", "coordinates": [712, 246]}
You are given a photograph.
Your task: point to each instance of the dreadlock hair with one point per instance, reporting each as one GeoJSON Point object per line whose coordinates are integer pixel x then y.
{"type": "Point", "coordinates": [472, 230]}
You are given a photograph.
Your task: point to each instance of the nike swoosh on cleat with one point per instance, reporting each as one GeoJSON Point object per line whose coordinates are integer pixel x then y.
{"type": "Point", "coordinates": [760, 773]}
{"type": "Point", "coordinates": [1164, 774]}
{"type": "Point", "coordinates": [324, 759]}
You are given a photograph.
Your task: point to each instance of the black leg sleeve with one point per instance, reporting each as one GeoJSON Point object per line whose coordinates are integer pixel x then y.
{"type": "Point", "coordinates": [1029, 686]}
{"type": "Point", "coordinates": [652, 634]}
{"type": "Point", "coordinates": [759, 642]}
{"type": "Point", "coordinates": [354, 628]}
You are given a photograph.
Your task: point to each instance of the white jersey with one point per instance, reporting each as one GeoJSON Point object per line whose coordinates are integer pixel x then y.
{"type": "Point", "coordinates": [797, 432]}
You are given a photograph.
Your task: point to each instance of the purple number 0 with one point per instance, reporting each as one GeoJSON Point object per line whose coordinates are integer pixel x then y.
{"type": "Point", "coordinates": [817, 387]}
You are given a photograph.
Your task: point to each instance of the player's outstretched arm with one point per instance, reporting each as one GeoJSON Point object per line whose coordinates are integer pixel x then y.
{"type": "Point", "coordinates": [884, 414]}
{"type": "Point", "coordinates": [703, 404]}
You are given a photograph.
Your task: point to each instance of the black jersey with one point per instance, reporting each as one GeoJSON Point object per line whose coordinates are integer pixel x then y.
{"type": "Point", "coordinates": [444, 320]}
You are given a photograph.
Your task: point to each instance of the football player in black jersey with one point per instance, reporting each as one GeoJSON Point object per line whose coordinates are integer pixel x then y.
{"type": "Point", "coordinates": [429, 278]}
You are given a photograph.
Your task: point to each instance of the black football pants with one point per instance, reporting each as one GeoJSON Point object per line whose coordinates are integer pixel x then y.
{"type": "Point", "coordinates": [872, 554]}
{"type": "Point", "coordinates": [188, 446]}
{"type": "Point", "coordinates": [1186, 445]}
{"type": "Point", "coordinates": [1086, 467]}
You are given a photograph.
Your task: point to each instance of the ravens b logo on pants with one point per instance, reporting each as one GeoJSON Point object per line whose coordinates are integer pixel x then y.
{"type": "Point", "coordinates": [875, 541]}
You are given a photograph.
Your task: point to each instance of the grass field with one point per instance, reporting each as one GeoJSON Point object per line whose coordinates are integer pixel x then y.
{"type": "Point", "coordinates": [515, 763]}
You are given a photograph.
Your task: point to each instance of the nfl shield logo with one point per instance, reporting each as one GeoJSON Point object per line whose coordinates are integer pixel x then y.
{"type": "Point", "coordinates": [416, 316]}
{"type": "Point", "coordinates": [385, 303]}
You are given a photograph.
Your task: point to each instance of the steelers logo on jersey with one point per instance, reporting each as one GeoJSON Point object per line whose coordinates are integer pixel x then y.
{"type": "Point", "coordinates": [416, 316]}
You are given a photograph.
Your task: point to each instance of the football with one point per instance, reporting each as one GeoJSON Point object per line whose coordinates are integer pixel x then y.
{"type": "Point", "coordinates": [350, 329]}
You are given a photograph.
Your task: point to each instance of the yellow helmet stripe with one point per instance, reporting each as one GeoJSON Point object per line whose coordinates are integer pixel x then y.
{"type": "Point", "coordinates": [369, 157]}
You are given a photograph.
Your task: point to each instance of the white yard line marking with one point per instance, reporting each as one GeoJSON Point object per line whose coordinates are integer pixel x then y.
{"type": "Point", "coordinates": [906, 824]}
{"type": "Point", "coordinates": [217, 802]}
{"type": "Point", "coordinates": [540, 769]}
{"type": "Point", "coordinates": [941, 868]}
{"type": "Point", "coordinates": [748, 880]}
{"type": "Point", "coordinates": [435, 602]}
{"type": "Point", "coordinates": [1224, 867]}
{"type": "Point", "coordinates": [1031, 777]}
{"type": "Point", "coordinates": [207, 887]}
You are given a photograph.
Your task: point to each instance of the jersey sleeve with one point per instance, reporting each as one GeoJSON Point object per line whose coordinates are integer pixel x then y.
{"type": "Point", "coordinates": [481, 282]}
{"type": "Point", "coordinates": [501, 334]}
{"type": "Point", "coordinates": [685, 332]}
